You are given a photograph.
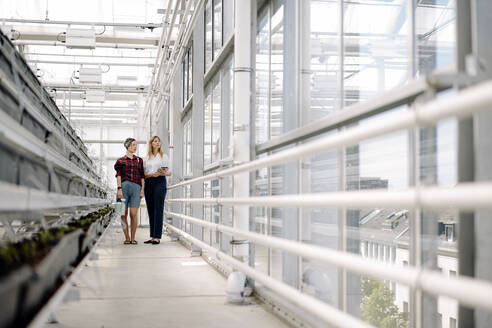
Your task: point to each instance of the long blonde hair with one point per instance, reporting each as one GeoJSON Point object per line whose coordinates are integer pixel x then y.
{"type": "Point", "coordinates": [149, 153]}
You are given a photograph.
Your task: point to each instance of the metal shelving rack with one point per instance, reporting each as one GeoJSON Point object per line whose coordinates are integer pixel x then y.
{"type": "Point", "coordinates": [45, 165]}
{"type": "Point", "coordinates": [46, 175]}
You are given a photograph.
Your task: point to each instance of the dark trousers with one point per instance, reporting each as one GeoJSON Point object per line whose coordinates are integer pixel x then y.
{"type": "Point", "coordinates": [155, 193]}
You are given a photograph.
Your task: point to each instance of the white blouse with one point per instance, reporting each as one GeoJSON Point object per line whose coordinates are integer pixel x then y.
{"type": "Point", "coordinates": [152, 164]}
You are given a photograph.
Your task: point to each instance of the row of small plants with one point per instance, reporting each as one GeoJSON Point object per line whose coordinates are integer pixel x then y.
{"type": "Point", "coordinates": [32, 269]}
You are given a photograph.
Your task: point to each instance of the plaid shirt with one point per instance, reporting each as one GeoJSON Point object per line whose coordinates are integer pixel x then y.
{"type": "Point", "coordinates": [130, 169]}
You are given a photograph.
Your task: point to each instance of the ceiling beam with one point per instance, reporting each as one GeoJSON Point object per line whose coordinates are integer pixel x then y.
{"type": "Point", "coordinates": [78, 95]}
{"type": "Point", "coordinates": [22, 35]}
{"type": "Point", "coordinates": [58, 22]}
{"type": "Point", "coordinates": [98, 45]}
{"type": "Point", "coordinates": [89, 56]}
{"type": "Point", "coordinates": [62, 62]}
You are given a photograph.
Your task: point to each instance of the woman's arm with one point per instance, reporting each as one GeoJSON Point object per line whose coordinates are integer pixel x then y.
{"type": "Point", "coordinates": [119, 192]}
{"type": "Point", "coordinates": [152, 175]}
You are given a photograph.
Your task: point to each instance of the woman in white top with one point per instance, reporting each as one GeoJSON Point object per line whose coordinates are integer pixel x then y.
{"type": "Point", "coordinates": [156, 168]}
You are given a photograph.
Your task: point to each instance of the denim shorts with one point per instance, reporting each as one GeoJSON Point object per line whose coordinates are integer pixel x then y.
{"type": "Point", "coordinates": [131, 193]}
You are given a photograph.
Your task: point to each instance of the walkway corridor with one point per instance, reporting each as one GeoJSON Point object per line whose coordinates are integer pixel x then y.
{"type": "Point", "coordinates": [154, 286]}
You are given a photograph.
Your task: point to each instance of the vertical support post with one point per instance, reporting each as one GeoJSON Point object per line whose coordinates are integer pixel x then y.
{"type": "Point", "coordinates": [415, 228]}
{"type": "Point", "coordinates": [481, 25]}
{"type": "Point", "coordinates": [198, 58]}
{"type": "Point", "coordinates": [304, 101]}
{"type": "Point", "coordinates": [101, 138]}
{"type": "Point", "coordinates": [342, 233]}
{"type": "Point", "coordinates": [242, 106]}
{"type": "Point", "coordinates": [342, 213]}
{"type": "Point", "coordinates": [252, 129]}
{"type": "Point", "coordinates": [341, 52]}
{"type": "Point", "coordinates": [177, 143]}
{"type": "Point", "coordinates": [412, 52]}
{"type": "Point", "coordinates": [290, 100]}
{"type": "Point", "coordinates": [465, 152]}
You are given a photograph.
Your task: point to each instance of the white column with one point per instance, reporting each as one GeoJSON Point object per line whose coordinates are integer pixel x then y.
{"type": "Point", "coordinates": [242, 110]}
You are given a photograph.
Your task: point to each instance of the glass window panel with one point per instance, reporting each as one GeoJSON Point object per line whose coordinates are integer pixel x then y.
{"type": "Point", "coordinates": [208, 34]}
{"type": "Point", "coordinates": [380, 234]}
{"type": "Point", "coordinates": [231, 107]}
{"type": "Point", "coordinates": [188, 210]}
{"type": "Point", "coordinates": [216, 119]}
{"type": "Point", "coordinates": [320, 226]}
{"type": "Point", "coordinates": [217, 28]}
{"type": "Point", "coordinates": [207, 212]}
{"type": "Point", "coordinates": [190, 72]}
{"type": "Point", "coordinates": [283, 181]}
{"type": "Point", "coordinates": [321, 67]}
{"type": "Point", "coordinates": [438, 166]}
{"type": "Point", "coordinates": [277, 72]}
{"type": "Point", "coordinates": [376, 51]}
{"type": "Point", "coordinates": [261, 219]}
{"type": "Point", "coordinates": [207, 115]}
{"type": "Point", "coordinates": [435, 22]}
{"type": "Point", "coordinates": [228, 18]}
{"type": "Point", "coordinates": [188, 148]}
{"type": "Point", "coordinates": [228, 112]}
{"type": "Point", "coordinates": [216, 215]}
{"type": "Point", "coordinates": [185, 79]}
{"type": "Point", "coordinates": [262, 78]}
{"type": "Point", "coordinates": [227, 214]}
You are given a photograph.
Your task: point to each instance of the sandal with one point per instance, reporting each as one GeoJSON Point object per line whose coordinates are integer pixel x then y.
{"type": "Point", "coordinates": [156, 242]}
{"type": "Point", "coordinates": [127, 242]}
{"type": "Point", "coordinates": [133, 242]}
{"type": "Point", "coordinates": [148, 241]}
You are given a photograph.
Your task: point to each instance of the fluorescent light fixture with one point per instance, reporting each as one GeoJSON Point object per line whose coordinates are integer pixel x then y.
{"type": "Point", "coordinates": [95, 95]}
{"type": "Point", "coordinates": [126, 78]}
{"type": "Point", "coordinates": [78, 38]}
{"type": "Point", "coordinates": [90, 75]}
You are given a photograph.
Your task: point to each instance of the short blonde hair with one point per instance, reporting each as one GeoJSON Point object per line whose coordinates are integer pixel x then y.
{"type": "Point", "coordinates": [151, 140]}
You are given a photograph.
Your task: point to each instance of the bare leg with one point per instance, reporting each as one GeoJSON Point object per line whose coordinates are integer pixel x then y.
{"type": "Point", "coordinates": [134, 220]}
{"type": "Point", "coordinates": [125, 228]}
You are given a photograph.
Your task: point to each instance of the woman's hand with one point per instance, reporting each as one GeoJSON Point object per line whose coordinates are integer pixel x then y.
{"type": "Point", "coordinates": [156, 174]}
{"type": "Point", "coordinates": [119, 194]}
{"type": "Point", "coordinates": [142, 194]}
{"type": "Point", "coordinates": [164, 172]}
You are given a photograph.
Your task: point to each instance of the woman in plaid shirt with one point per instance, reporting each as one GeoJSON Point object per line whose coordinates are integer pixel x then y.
{"type": "Point", "coordinates": [130, 177]}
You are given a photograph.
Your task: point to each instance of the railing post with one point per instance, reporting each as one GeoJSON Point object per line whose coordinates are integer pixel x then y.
{"type": "Point", "coordinates": [479, 64]}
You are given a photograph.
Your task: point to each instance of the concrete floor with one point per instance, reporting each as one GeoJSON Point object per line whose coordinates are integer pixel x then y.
{"type": "Point", "coordinates": [154, 286]}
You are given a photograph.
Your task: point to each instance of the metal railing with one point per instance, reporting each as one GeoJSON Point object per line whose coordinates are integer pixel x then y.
{"type": "Point", "coordinates": [306, 302]}
{"type": "Point", "coordinates": [468, 291]}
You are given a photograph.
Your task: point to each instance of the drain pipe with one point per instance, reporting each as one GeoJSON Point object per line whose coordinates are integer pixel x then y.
{"type": "Point", "coordinates": [241, 140]}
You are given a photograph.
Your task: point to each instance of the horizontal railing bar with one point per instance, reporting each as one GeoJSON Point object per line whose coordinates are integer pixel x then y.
{"type": "Point", "coordinates": [20, 198]}
{"type": "Point", "coordinates": [468, 291]}
{"type": "Point", "coordinates": [465, 103]}
{"type": "Point", "coordinates": [466, 196]}
{"type": "Point", "coordinates": [318, 308]}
